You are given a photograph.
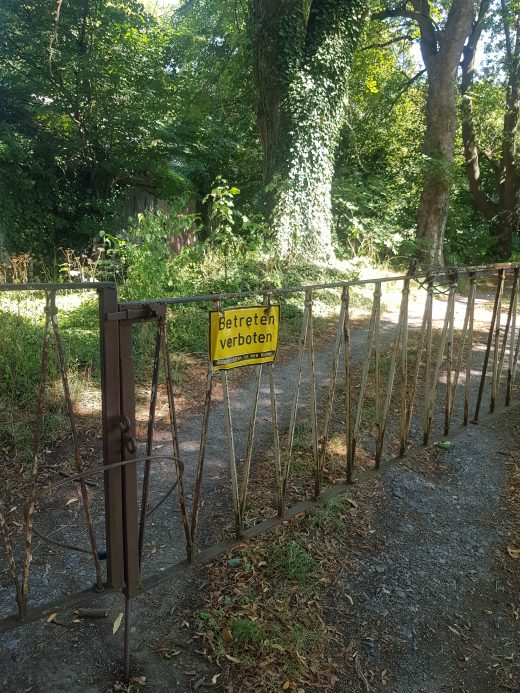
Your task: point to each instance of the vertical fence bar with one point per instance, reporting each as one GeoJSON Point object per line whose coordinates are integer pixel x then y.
{"type": "Point", "coordinates": [249, 446]}
{"type": "Point", "coordinates": [404, 370]}
{"type": "Point", "coordinates": [276, 444]}
{"type": "Point", "coordinates": [31, 500]}
{"type": "Point", "coordinates": [512, 343]}
{"type": "Point", "coordinates": [232, 458]}
{"type": "Point", "coordinates": [149, 438]}
{"type": "Point", "coordinates": [469, 359]}
{"type": "Point", "coordinates": [449, 366]}
{"type": "Point", "coordinates": [495, 376]}
{"type": "Point", "coordinates": [179, 468]}
{"type": "Point", "coordinates": [366, 365]}
{"type": "Point", "coordinates": [377, 380]}
{"type": "Point", "coordinates": [129, 471]}
{"type": "Point", "coordinates": [415, 380]}
{"type": "Point", "coordinates": [75, 443]}
{"type": "Point", "coordinates": [200, 464]}
{"type": "Point", "coordinates": [451, 392]}
{"type": "Point", "coordinates": [431, 395]}
{"type": "Point", "coordinates": [312, 389]}
{"type": "Point", "coordinates": [348, 385]}
{"type": "Point", "coordinates": [301, 351]}
{"type": "Point", "coordinates": [428, 366]}
{"type": "Point", "coordinates": [515, 360]}
{"type": "Point", "coordinates": [111, 417]}
{"type": "Point", "coordinates": [500, 281]}
{"type": "Point", "coordinates": [402, 325]}
{"type": "Point", "coordinates": [330, 395]}
{"type": "Point", "coordinates": [511, 308]}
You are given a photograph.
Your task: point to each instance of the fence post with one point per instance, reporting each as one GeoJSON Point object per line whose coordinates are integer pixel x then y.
{"type": "Point", "coordinates": [111, 417]}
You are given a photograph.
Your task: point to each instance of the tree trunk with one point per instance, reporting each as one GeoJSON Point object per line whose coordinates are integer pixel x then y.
{"type": "Point", "coordinates": [502, 216]}
{"type": "Point", "coordinates": [303, 51]}
{"type": "Point", "coordinates": [483, 202]}
{"type": "Point", "coordinates": [274, 69]}
{"type": "Point", "coordinates": [441, 51]}
{"type": "Point", "coordinates": [439, 139]}
{"type": "Point", "coordinates": [509, 176]}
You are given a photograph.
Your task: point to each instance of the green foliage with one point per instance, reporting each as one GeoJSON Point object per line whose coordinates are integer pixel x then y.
{"type": "Point", "coordinates": [293, 562]}
{"type": "Point", "coordinates": [247, 632]}
{"type": "Point", "coordinates": [84, 100]}
{"type": "Point", "coordinates": [371, 219]}
{"type": "Point", "coordinates": [111, 96]}
{"type": "Point", "coordinates": [21, 338]}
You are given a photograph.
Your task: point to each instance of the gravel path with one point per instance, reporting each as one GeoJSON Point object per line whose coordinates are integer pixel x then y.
{"type": "Point", "coordinates": [435, 591]}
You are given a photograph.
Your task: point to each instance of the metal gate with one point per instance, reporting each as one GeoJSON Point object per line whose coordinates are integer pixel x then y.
{"type": "Point", "coordinates": [417, 375]}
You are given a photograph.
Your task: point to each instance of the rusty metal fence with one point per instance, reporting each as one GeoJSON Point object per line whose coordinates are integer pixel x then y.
{"type": "Point", "coordinates": [387, 383]}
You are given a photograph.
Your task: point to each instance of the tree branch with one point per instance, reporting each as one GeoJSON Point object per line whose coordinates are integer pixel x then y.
{"type": "Point", "coordinates": [402, 89]}
{"type": "Point", "coordinates": [384, 44]}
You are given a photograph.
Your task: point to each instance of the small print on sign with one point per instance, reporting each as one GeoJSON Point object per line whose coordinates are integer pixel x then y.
{"type": "Point", "coordinates": [243, 336]}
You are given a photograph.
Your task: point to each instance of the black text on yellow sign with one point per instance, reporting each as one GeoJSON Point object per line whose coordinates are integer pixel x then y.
{"type": "Point", "coordinates": [243, 336]}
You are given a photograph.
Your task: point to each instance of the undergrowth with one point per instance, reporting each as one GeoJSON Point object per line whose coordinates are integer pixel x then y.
{"type": "Point", "coordinates": [264, 619]}
{"type": "Point", "coordinates": [143, 269]}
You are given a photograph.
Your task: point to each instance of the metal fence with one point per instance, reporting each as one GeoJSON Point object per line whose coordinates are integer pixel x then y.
{"type": "Point", "coordinates": [384, 384]}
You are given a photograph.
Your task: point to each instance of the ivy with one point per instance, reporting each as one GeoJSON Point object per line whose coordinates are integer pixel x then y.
{"type": "Point", "coordinates": [317, 65]}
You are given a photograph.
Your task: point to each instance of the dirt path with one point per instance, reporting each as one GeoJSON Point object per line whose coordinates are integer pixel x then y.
{"type": "Point", "coordinates": [435, 591]}
{"type": "Point", "coordinates": [85, 656]}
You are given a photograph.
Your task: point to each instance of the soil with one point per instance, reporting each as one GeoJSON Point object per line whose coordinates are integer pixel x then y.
{"type": "Point", "coordinates": [433, 566]}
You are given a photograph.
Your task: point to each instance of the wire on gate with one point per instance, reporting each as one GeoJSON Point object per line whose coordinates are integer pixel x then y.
{"type": "Point", "coordinates": [440, 280]}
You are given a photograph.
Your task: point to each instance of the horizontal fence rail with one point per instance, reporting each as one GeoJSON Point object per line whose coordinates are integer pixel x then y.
{"type": "Point", "coordinates": [381, 380]}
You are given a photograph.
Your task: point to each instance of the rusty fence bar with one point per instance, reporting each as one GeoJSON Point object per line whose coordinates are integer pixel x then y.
{"type": "Point", "coordinates": [430, 351]}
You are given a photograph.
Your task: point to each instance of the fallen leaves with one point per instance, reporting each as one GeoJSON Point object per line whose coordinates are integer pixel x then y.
{"type": "Point", "coordinates": [117, 623]}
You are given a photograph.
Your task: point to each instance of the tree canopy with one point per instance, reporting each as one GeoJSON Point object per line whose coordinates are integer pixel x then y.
{"type": "Point", "coordinates": [349, 127]}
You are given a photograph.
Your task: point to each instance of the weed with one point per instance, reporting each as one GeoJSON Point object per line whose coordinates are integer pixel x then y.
{"type": "Point", "coordinates": [294, 563]}
{"type": "Point", "coordinates": [247, 632]}
{"type": "Point", "coordinates": [303, 639]}
{"type": "Point", "coordinates": [329, 518]}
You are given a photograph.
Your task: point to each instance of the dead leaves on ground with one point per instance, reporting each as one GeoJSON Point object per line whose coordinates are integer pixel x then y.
{"type": "Point", "coordinates": [264, 621]}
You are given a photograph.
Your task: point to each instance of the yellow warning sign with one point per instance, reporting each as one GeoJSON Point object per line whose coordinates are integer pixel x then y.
{"type": "Point", "coordinates": [243, 336]}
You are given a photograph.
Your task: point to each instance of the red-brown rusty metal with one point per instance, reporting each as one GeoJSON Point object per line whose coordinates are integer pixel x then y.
{"type": "Point", "coordinates": [510, 325]}
{"type": "Point", "coordinates": [200, 466]}
{"type": "Point", "coordinates": [124, 536]}
{"type": "Point", "coordinates": [374, 317]}
{"type": "Point", "coordinates": [511, 361]}
{"type": "Point", "coordinates": [75, 443]}
{"type": "Point", "coordinates": [345, 297]}
{"type": "Point", "coordinates": [31, 500]}
{"type": "Point", "coordinates": [112, 450]}
{"type": "Point", "coordinates": [149, 437]}
{"type": "Point", "coordinates": [179, 469]}
{"type": "Point", "coordinates": [498, 299]}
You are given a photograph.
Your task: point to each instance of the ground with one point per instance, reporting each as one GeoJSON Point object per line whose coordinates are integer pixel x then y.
{"type": "Point", "coordinates": [417, 586]}
{"type": "Point", "coordinates": [434, 588]}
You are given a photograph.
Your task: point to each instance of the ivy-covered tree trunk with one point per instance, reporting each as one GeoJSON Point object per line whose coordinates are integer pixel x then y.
{"type": "Point", "coordinates": [303, 50]}
{"type": "Point", "coordinates": [441, 51]}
